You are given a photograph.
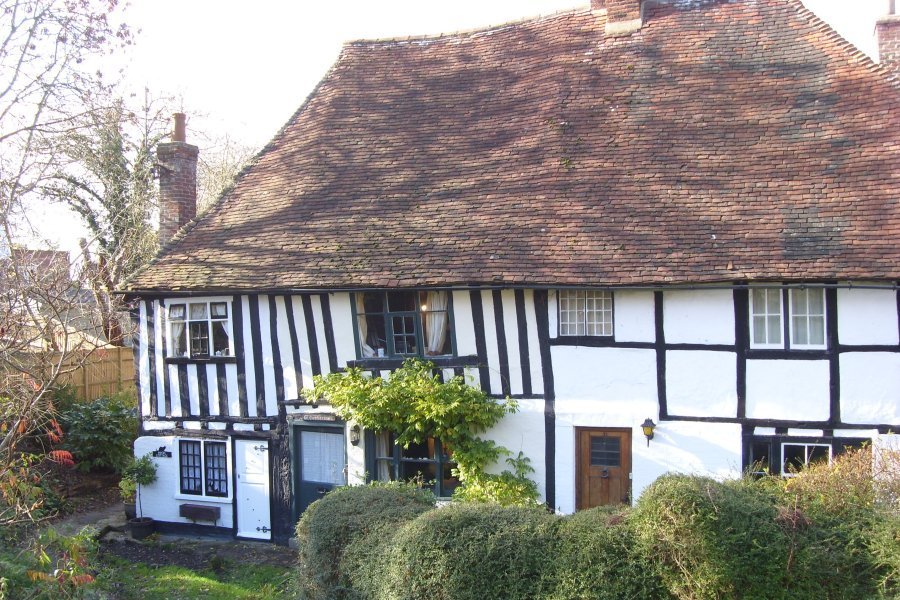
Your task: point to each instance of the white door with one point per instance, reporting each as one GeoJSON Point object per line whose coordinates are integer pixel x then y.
{"type": "Point", "coordinates": [252, 468]}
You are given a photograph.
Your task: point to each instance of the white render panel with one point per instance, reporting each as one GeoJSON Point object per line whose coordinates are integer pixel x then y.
{"type": "Point", "coordinates": [234, 403]}
{"type": "Point", "coordinates": [305, 367]}
{"type": "Point", "coordinates": [604, 382]}
{"type": "Point", "coordinates": [805, 432]}
{"type": "Point", "coordinates": [342, 324]}
{"type": "Point", "coordinates": [268, 357]}
{"type": "Point", "coordinates": [212, 387]}
{"type": "Point", "coordinates": [701, 383]}
{"type": "Point", "coordinates": [534, 346]}
{"type": "Point", "coordinates": [764, 431]}
{"type": "Point", "coordinates": [867, 317]}
{"type": "Point", "coordinates": [523, 431]}
{"type": "Point", "coordinates": [699, 316]}
{"type": "Point", "coordinates": [463, 324]}
{"type": "Point", "coordinates": [193, 372]}
{"type": "Point", "coordinates": [320, 334]}
{"type": "Point", "coordinates": [249, 370]}
{"type": "Point", "coordinates": [870, 387]}
{"type": "Point", "coordinates": [285, 351]}
{"type": "Point", "coordinates": [511, 333]}
{"type": "Point", "coordinates": [857, 433]}
{"type": "Point", "coordinates": [553, 313]}
{"type": "Point", "coordinates": [490, 340]}
{"type": "Point", "coordinates": [159, 328]}
{"type": "Point", "coordinates": [794, 390]}
{"type": "Point", "coordinates": [143, 360]}
{"type": "Point", "coordinates": [158, 425]}
{"type": "Point", "coordinates": [159, 499]}
{"type": "Point", "coordinates": [635, 318]}
{"type": "Point", "coordinates": [174, 390]}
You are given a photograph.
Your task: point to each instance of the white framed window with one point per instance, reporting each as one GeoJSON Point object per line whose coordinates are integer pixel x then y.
{"type": "Point", "coordinates": [805, 318]}
{"type": "Point", "coordinates": [765, 318]}
{"type": "Point", "coordinates": [199, 329]}
{"type": "Point", "coordinates": [808, 318]}
{"type": "Point", "coordinates": [585, 312]}
{"type": "Point", "coordinates": [203, 468]}
{"type": "Point", "coordinates": [797, 455]}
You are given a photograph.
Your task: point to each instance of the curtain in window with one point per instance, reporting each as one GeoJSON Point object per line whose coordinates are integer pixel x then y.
{"type": "Point", "coordinates": [383, 449]}
{"type": "Point", "coordinates": [179, 339]}
{"type": "Point", "coordinates": [367, 350]}
{"type": "Point", "coordinates": [436, 322]}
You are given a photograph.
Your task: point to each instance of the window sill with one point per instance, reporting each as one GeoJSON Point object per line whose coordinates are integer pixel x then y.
{"type": "Point", "coordinates": [445, 362]}
{"type": "Point", "coordinates": [183, 360]}
{"type": "Point", "coordinates": [210, 499]}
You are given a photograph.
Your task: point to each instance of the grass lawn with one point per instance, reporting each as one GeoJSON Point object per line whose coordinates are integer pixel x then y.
{"type": "Point", "coordinates": [128, 580]}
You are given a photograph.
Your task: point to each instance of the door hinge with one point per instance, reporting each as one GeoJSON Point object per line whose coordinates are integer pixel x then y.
{"type": "Point", "coordinates": [261, 448]}
{"type": "Point", "coordinates": [264, 529]}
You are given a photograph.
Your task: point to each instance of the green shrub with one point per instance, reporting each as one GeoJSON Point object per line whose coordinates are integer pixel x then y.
{"type": "Point", "coordinates": [596, 557]}
{"type": "Point", "coordinates": [330, 524]}
{"type": "Point", "coordinates": [469, 552]}
{"type": "Point", "coordinates": [884, 545]}
{"type": "Point", "coordinates": [100, 433]}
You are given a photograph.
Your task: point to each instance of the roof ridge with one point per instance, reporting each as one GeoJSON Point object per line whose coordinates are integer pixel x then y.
{"type": "Point", "coordinates": [463, 33]}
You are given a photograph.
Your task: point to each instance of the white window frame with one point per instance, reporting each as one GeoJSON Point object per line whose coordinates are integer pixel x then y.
{"type": "Point", "coordinates": [767, 315]}
{"type": "Point", "coordinates": [605, 326]}
{"type": "Point", "coordinates": [170, 346]}
{"type": "Point", "coordinates": [808, 316]}
{"type": "Point", "coordinates": [789, 316]}
{"type": "Point", "coordinates": [806, 446]}
{"type": "Point", "coordinates": [229, 470]}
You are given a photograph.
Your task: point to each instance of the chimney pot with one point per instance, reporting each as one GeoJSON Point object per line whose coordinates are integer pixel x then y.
{"type": "Point", "coordinates": [178, 135]}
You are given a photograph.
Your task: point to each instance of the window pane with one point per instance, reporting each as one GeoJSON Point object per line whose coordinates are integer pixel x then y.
{"type": "Point", "coordinates": [817, 331]}
{"type": "Point", "coordinates": [816, 300]}
{"type": "Point", "coordinates": [401, 301]}
{"type": "Point", "coordinates": [448, 481]}
{"type": "Point", "coordinates": [198, 310]}
{"type": "Point", "coordinates": [759, 330]}
{"type": "Point", "coordinates": [759, 457]}
{"type": "Point", "coordinates": [199, 339]}
{"type": "Point", "coordinates": [220, 338]}
{"type": "Point", "coordinates": [773, 302]}
{"type": "Point", "coordinates": [219, 310]}
{"type": "Point", "coordinates": [605, 451]}
{"type": "Point", "coordinates": [176, 311]}
{"type": "Point", "coordinates": [404, 334]}
{"type": "Point", "coordinates": [800, 335]}
{"type": "Point", "coordinates": [818, 454]}
{"type": "Point", "coordinates": [322, 457]}
{"type": "Point", "coordinates": [375, 337]}
{"type": "Point", "coordinates": [794, 457]}
{"type": "Point", "coordinates": [189, 466]}
{"type": "Point", "coordinates": [424, 450]}
{"type": "Point", "coordinates": [420, 472]}
{"type": "Point", "coordinates": [179, 339]}
{"type": "Point", "coordinates": [774, 330]}
{"type": "Point", "coordinates": [373, 302]}
{"type": "Point", "coordinates": [216, 469]}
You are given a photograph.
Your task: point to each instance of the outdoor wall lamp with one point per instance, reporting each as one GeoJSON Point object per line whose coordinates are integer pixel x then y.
{"type": "Point", "coordinates": [647, 427]}
{"type": "Point", "coordinates": [354, 435]}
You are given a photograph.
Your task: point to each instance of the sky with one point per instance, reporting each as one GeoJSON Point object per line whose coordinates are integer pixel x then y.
{"type": "Point", "coordinates": [242, 68]}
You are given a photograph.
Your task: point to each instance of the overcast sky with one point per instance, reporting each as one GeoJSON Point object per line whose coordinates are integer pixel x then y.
{"type": "Point", "coordinates": [248, 65]}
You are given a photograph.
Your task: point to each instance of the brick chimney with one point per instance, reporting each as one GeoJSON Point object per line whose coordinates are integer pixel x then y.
{"type": "Point", "coordinates": [623, 17]}
{"type": "Point", "coordinates": [887, 32]}
{"type": "Point", "coordinates": [177, 162]}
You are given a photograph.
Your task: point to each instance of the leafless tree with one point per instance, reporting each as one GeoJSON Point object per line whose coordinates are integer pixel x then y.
{"type": "Point", "coordinates": [218, 165]}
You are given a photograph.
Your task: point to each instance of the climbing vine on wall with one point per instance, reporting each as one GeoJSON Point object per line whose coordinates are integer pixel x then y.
{"type": "Point", "coordinates": [414, 404]}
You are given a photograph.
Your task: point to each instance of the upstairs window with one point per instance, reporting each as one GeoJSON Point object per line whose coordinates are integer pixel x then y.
{"type": "Point", "coordinates": [585, 313]}
{"type": "Point", "coordinates": [403, 323]}
{"type": "Point", "coordinates": [199, 330]}
{"type": "Point", "coordinates": [805, 318]}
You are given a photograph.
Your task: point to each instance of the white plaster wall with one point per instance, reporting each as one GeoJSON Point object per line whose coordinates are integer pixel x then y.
{"type": "Point", "coordinates": [342, 324]}
{"type": "Point", "coordinates": [788, 389]}
{"type": "Point", "coordinates": [608, 383]}
{"type": "Point", "coordinates": [463, 324]}
{"type": "Point", "coordinates": [159, 499]}
{"type": "Point", "coordinates": [634, 316]}
{"type": "Point", "coordinates": [552, 313]}
{"type": "Point", "coordinates": [699, 316]}
{"type": "Point", "coordinates": [711, 449]}
{"type": "Point", "coordinates": [701, 384]}
{"type": "Point", "coordinates": [870, 387]}
{"type": "Point", "coordinates": [524, 431]}
{"type": "Point", "coordinates": [867, 317]}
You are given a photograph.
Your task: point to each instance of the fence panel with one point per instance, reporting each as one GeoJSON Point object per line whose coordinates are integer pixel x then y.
{"type": "Point", "coordinates": [105, 371]}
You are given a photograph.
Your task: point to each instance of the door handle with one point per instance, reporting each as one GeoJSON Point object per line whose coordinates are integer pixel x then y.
{"type": "Point", "coordinates": [604, 474]}
{"type": "Point", "coordinates": [322, 490]}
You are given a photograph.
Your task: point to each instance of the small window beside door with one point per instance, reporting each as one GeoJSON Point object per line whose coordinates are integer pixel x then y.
{"type": "Point", "coordinates": [203, 468]}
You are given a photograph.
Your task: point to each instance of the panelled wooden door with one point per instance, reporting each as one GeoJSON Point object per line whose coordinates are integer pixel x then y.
{"type": "Point", "coordinates": [251, 465]}
{"type": "Point", "coordinates": [603, 467]}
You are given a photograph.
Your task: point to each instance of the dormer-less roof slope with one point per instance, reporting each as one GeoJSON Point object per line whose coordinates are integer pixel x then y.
{"type": "Point", "coordinates": [723, 141]}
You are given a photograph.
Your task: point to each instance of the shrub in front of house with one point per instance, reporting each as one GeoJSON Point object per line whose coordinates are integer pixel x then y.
{"type": "Point", "coordinates": [100, 433]}
{"type": "Point", "coordinates": [596, 557]}
{"type": "Point", "coordinates": [468, 552]}
{"type": "Point", "coordinates": [330, 525]}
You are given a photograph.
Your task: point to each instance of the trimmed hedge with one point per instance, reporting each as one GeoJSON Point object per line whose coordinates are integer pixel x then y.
{"type": "Point", "coordinates": [469, 552]}
{"type": "Point", "coordinates": [331, 524]}
{"type": "Point", "coordinates": [596, 557]}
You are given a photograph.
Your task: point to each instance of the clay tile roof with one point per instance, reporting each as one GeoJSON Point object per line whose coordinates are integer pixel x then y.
{"type": "Point", "coordinates": [723, 141]}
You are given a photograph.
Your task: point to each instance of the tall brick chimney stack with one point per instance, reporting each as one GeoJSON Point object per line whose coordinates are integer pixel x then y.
{"type": "Point", "coordinates": [623, 17]}
{"type": "Point", "coordinates": [177, 162]}
{"type": "Point", "coordinates": [887, 32]}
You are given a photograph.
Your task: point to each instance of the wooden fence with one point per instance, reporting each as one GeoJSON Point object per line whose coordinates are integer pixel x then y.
{"type": "Point", "coordinates": [105, 371]}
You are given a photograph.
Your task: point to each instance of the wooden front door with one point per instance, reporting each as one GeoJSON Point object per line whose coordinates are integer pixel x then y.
{"type": "Point", "coordinates": [603, 467]}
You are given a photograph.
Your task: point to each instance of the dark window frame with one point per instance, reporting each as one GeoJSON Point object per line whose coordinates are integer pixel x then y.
{"type": "Point", "coordinates": [210, 469]}
{"type": "Point", "coordinates": [192, 325]}
{"type": "Point", "coordinates": [390, 335]}
{"type": "Point", "coordinates": [773, 446]}
{"type": "Point", "coordinates": [443, 463]}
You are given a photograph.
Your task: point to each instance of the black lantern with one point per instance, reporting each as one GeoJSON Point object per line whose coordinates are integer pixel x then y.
{"type": "Point", "coordinates": [647, 427]}
{"type": "Point", "coordinates": [354, 435]}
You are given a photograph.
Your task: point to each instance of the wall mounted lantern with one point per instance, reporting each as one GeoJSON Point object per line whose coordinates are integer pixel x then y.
{"type": "Point", "coordinates": [354, 435]}
{"type": "Point", "coordinates": [647, 427]}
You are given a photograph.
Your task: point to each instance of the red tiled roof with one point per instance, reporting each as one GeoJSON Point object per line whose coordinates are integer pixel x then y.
{"type": "Point", "coordinates": [723, 141]}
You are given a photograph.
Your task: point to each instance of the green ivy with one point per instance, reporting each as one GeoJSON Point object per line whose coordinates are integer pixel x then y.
{"type": "Point", "coordinates": [414, 404]}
